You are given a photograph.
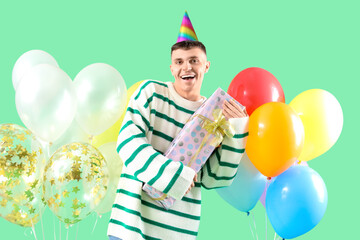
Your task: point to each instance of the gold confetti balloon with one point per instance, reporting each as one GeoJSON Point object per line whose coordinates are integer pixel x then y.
{"type": "Point", "coordinates": [75, 181]}
{"type": "Point", "coordinates": [21, 170]}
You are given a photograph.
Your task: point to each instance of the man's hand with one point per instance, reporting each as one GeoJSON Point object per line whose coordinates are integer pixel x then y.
{"type": "Point", "coordinates": [233, 110]}
{"type": "Point", "coordinates": [192, 184]}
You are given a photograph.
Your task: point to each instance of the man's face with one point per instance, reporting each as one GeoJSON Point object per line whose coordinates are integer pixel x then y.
{"type": "Point", "coordinates": [188, 68]}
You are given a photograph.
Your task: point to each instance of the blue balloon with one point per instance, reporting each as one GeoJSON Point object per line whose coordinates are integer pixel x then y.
{"type": "Point", "coordinates": [247, 187]}
{"type": "Point", "coordinates": [296, 201]}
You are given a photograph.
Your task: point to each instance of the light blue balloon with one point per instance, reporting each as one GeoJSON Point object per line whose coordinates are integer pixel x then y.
{"type": "Point", "coordinates": [247, 187]}
{"type": "Point", "coordinates": [296, 201]}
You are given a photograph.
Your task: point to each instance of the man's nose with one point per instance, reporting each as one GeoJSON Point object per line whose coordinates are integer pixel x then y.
{"type": "Point", "coordinates": [187, 66]}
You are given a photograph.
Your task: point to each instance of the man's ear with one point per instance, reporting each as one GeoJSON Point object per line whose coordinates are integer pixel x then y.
{"type": "Point", "coordinates": [171, 70]}
{"type": "Point", "coordinates": [207, 66]}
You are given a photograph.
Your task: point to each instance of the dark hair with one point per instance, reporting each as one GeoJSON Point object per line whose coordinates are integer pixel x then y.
{"type": "Point", "coordinates": [186, 45]}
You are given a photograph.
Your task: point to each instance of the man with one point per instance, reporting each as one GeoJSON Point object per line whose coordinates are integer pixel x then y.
{"type": "Point", "coordinates": [156, 113]}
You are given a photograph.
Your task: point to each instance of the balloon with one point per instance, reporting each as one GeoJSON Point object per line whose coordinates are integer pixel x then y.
{"type": "Point", "coordinates": [111, 134]}
{"type": "Point", "coordinates": [296, 201]}
{"type": "Point", "coordinates": [115, 165]}
{"type": "Point", "coordinates": [25, 213]}
{"type": "Point", "coordinates": [45, 101]}
{"type": "Point", "coordinates": [276, 138]}
{"type": "Point", "coordinates": [254, 87]}
{"type": "Point", "coordinates": [263, 196]}
{"type": "Point", "coordinates": [29, 60]}
{"type": "Point", "coordinates": [73, 134]}
{"type": "Point", "coordinates": [75, 181]}
{"type": "Point", "coordinates": [246, 188]}
{"type": "Point", "coordinates": [21, 168]}
{"type": "Point", "coordinates": [101, 95]}
{"type": "Point", "coordinates": [322, 118]}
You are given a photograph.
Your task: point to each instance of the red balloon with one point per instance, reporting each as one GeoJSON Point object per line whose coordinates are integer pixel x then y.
{"type": "Point", "coordinates": [254, 87]}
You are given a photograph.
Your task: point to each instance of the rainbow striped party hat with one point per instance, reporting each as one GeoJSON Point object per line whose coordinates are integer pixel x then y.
{"type": "Point", "coordinates": [187, 32]}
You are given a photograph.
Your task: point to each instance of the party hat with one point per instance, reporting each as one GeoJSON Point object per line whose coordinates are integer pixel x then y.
{"type": "Point", "coordinates": [187, 32]}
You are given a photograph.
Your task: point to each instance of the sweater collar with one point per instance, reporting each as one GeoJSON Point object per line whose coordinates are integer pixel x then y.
{"type": "Point", "coordinates": [191, 105]}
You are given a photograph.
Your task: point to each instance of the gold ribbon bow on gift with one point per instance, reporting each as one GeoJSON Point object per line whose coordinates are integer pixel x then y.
{"type": "Point", "coordinates": [219, 127]}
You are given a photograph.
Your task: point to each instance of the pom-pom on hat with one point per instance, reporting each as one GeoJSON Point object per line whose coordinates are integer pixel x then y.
{"type": "Point", "coordinates": [187, 32]}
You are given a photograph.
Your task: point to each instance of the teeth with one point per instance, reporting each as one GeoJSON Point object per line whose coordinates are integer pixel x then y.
{"type": "Point", "coordinates": [188, 76]}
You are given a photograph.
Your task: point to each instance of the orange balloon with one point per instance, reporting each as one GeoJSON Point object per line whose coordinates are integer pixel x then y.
{"type": "Point", "coordinates": [276, 138]}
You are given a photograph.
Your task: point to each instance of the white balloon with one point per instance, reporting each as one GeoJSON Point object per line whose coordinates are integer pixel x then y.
{"type": "Point", "coordinates": [46, 102]}
{"type": "Point", "coordinates": [74, 133]}
{"type": "Point", "coordinates": [114, 164]}
{"type": "Point", "coordinates": [101, 96]}
{"type": "Point", "coordinates": [28, 60]}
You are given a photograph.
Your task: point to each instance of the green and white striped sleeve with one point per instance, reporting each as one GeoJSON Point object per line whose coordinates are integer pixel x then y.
{"type": "Point", "coordinates": [220, 169]}
{"type": "Point", "coordinates": [140, 158]}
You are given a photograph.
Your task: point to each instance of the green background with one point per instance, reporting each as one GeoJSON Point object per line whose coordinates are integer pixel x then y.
{"type": "Point", "coordinates": [305, 44]}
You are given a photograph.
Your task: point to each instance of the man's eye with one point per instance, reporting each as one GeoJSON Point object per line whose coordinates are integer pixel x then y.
{"type": "Point", "coordinates": [194, 61]}
{"type": "Point", "coordinates": [178, 62]}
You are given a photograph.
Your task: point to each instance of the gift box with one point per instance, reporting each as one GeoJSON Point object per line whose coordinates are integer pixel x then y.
{"type": "Point", "coordinates": [194, 144]}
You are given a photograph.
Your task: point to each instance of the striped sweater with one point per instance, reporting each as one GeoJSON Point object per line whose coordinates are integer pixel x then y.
{"type": "Point", "coordinates": [155, 114]}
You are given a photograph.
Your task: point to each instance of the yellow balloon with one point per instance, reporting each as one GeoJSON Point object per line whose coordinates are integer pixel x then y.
{"type": "Point", "coordinates": [111, 134]}
{"type": "Point", "coordinates": [322, 118]}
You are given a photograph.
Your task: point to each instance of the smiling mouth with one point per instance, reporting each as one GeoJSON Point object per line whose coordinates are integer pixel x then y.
{"type": "Point", "coordinates": [188, 77]}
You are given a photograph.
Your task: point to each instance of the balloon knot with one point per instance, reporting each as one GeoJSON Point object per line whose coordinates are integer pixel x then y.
{"type": "Point", "coordinates": [91, 137]}
{"type": "Point", "coordinates": [269, 178]}
{"type": "Point", "coordinates": [248, 213]}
